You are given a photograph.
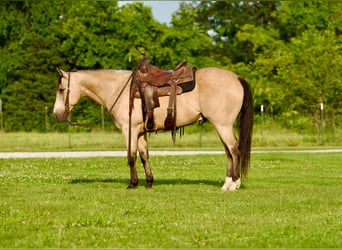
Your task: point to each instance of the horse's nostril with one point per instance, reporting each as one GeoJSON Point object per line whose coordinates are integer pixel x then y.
{"type": "Point", "coordinates": [59, 118]}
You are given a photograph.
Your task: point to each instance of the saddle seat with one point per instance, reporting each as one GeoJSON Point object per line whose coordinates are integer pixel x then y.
{"type": "Point", "coordinates": [149, 83]}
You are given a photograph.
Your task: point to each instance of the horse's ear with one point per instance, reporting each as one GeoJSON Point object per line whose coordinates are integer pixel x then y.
{"type": "Point", "coordinates": [61, 72]}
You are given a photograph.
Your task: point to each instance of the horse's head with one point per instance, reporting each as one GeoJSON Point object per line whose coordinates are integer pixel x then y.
{"type": "Point", "coordinates": [68, 95]}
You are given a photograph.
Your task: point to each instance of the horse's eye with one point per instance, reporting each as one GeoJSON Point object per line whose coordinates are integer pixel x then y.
{"type": "Point", "coordinates": [61, 90]}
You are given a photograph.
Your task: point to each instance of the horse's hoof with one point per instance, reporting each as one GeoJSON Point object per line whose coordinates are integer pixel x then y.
{"type": "Point", "coordinates": [132, 186]}
{"type": "Point", "coordinates": [231, 185]}
{"type": "Point", "coordinates": [149, 183]}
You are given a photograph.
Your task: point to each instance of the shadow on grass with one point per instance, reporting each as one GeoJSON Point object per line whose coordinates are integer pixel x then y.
{"type": "Point", "coordinates": [214, 183]}
{"type": "Point", "coordinates": [98, 180]}
{"type": "Point", "coordinates": [157, 182]}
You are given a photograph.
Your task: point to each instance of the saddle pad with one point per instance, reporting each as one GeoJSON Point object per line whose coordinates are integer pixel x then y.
{"type": "Point", "coordinates": [187, 86]}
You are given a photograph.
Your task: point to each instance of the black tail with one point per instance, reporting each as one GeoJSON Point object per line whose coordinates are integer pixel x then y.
{"type": "Point", "coordinates": [245, 127]}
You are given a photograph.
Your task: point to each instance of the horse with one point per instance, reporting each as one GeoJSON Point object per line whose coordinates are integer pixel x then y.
{"type": "Point", "coordinates": [220, 97]}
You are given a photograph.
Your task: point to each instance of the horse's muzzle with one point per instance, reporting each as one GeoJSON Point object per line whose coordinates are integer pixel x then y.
{"type": "Point", "coordinates": [59, 116]}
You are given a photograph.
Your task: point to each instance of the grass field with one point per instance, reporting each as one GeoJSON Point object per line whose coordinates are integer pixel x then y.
{"type": "Point", "coordinates": [200, 140]}
{"type": "Point", "coordinates": [289, 200]}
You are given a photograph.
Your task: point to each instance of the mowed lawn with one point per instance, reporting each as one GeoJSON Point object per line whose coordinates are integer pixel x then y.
{"type": "Point", "coordinates": [289, 200]}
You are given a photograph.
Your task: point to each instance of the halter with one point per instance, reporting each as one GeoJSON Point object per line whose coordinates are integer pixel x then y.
{"type": "Point", "coordinates": [67, 109]}
{"type": "Point", "coordinates": [66, 103]}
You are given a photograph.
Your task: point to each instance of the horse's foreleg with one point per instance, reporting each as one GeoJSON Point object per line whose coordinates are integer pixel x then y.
{"type": "Point", "coordinates": [144, 157]}
{"type": "Point", "coordinates": [134, 175]}
{"type": "Point", "coordinates": [132, 157]}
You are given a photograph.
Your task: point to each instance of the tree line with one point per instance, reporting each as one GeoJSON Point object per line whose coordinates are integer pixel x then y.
{"type": "Point", "coordinates": [289, 51]}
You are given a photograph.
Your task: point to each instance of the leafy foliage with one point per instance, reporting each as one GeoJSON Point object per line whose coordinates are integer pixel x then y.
{"type": "Point", "coordinates": [289, 51]}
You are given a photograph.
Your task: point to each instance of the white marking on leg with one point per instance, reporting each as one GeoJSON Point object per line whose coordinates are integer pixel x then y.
{"type": "Point", "coordinates": [235, 185]}
{"type": "Point", "coordinates": [227, 183]}
{"type": "Point", "coordinates": [231, 185]}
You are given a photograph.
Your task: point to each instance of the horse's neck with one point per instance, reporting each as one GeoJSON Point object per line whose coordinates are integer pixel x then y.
{"type": "Point", "coordinates": [101, 86]}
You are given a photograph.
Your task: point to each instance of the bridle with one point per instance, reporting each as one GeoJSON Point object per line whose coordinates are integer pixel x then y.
{"type": "Point", "coordinates": [66, 103]}
{"type": "Point", "coordinates": [67, 109]}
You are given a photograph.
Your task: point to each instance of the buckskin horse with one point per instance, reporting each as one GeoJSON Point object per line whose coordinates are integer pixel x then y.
{"type": "Point", "coordinates": [219, 96]}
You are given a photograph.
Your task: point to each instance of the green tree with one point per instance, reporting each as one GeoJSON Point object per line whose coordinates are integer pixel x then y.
{"type": "Point", "coordinates": [264, 44]}
{"type": "Point", "coordinates": [224, 19]}
{"type": "Point", "coordinates": [292, 75]}
{"type": "Point", "coordinates": [30, 49]}
{"type": "Point", "coordinates": [310, 70]}
{"type": "Point", "coordinates": [295, 17]}
{"type": "Point", "coordinates": [89, 30]}
{"type": "Point", "coordinates": [184, 40]}
{"type": "Point", "coordinates": [139, 32]}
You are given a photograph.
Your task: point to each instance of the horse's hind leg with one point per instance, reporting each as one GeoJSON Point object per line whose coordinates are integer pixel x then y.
{"type": "Point", "coordinates": [231, 146]}
{"type": "Point", "coordinates": [144, 157]}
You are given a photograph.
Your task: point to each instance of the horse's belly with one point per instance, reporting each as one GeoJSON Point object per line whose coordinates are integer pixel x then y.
{"type": "Point", "coordinates": [188, 110]}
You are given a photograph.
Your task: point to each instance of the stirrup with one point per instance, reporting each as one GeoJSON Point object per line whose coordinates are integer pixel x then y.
{"type": "Point", "coordinates": [150, 126]}
{"type": "Point", "coordinates": [169, 122]}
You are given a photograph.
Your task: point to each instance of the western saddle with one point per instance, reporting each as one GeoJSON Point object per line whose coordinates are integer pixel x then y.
{"type": "Point", "coordinates": [149, 83]}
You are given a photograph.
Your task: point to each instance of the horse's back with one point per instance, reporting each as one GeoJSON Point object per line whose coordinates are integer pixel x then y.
{"type": "Point", "coordinates": [220, 92]}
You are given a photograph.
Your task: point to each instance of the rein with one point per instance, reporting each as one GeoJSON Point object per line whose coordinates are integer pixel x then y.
{"type": "Point", "coordinates": [67, 109]}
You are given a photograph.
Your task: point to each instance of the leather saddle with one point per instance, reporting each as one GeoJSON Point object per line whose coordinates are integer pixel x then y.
{"type": "Point", "coordinates": [149, 83]}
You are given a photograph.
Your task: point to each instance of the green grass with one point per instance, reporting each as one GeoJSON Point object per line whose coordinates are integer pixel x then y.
{"type": "Point", "coordinates": [194, 139]}
{"type": "Point", "coordinates": [289, 200]}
